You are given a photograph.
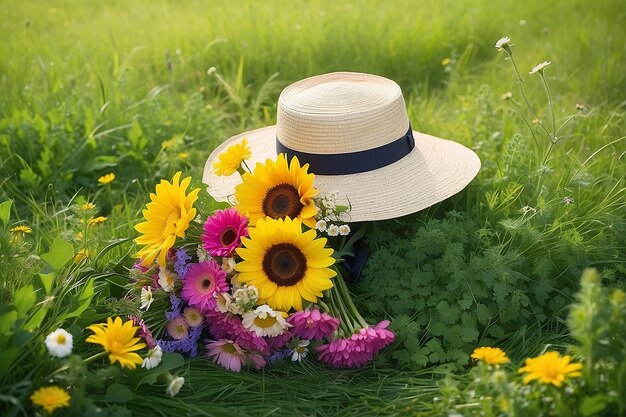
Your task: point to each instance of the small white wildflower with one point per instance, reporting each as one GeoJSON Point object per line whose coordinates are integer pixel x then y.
{"type": "Point", "coordinates": [506, 96]}
{"type": "Point", "coordinates": [503, 43]}
{"type": "Point", "coordinates": [228, 265]}
{"type": "Point", "coordinates": [174, 386]}
{"type": "Point", "coordinates": [153, 358]}
{"type": "Point", "coordinates": [321, 225]}
{"type": "Point", "coordinates": [265, 321]}
{"type": "Point", "coordinates": [146, 298]}
{"type": "Point", "coordinates": [344, 230]}
{"type": "Point", "coordinates": [329, 203]}
{"type": "Point", "coordinates": [300, 351]}
{"type": "Point", "coordinates": [539, 67]}
{"type": "Point", "coordinates": [202, 253]}
{"type": "Point", "coordinates": [568, 200]}
{"type": "Point", "coordinates": [528, 209]}
{"type": "Point", "coordinates": [211, 71]}
{"type": "Point", "coordinates": [167, 279]}
{"type": "Point", "coordinates": [333, 230]}
{"type": "Point", "coordinates": [59, 343]}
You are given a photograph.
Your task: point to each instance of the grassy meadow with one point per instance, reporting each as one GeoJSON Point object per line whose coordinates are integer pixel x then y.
{"type": "Point", "coordinates": [143, 89]}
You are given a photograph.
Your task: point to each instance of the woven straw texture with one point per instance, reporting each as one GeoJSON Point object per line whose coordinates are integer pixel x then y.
{"type": "Point", "coordinates": [349, 112]}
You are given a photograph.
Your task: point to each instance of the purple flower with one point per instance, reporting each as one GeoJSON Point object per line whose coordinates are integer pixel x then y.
{"type": "Point", "coordinates": [180, 265]}
{"type": "Point", "coordinates": [176, 310]}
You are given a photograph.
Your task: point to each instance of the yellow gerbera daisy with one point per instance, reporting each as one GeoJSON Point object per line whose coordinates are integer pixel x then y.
{"type": "Point", "coordinates": [285, 264]}
{"type": "Point", "coordinates": [278, 190]}
{"type": "Point", "coordinates": [51, 398]}
{"type": "Point", "coordinates": [230, 160]}
{"type": "Point", "coordinates": [107, 179]}
{"type": "Point", "coordinates": [490, 355]}
{"type": "Point", "coordinates": [550, 368]}
{"type": "Point", "coordinates": [167, 217]}
{"type": "Point", "coordinates": [118, 339]}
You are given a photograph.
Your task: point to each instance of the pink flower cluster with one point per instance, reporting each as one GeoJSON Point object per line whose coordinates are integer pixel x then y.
{"type": "Point", "coordinates": [358, 349]}
{"type": "Point", "coordinates": [313, 324]}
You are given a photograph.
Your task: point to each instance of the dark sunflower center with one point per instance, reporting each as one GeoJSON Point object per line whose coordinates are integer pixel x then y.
{"type": "Point", "coordinates": [282, 201]}
{"type": "Point", "coordinates": [284, 264]}
{"type": "Point", "coordinates": [228, 236]}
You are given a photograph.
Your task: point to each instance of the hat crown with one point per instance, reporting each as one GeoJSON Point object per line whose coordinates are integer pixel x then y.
{"type": "Point", "coordinates": [341, 112]}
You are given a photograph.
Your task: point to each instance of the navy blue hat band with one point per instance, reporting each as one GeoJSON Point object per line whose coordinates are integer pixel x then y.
{"type": "Point", "coordinates": [353, 162]}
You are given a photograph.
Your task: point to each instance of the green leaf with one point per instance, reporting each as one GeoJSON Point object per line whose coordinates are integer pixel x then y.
{"type": "Point", "coordinates": [60, 253]}
{"type": "Point", "coordinates": [5, 211]}
{"type": "Point", "coordinates": [594, 405]}
{"type": "Point", "coordinates": [7, 358]}
{"type": "Point", "coordinates": [83, 301]}
{"type": "Point", "coordinates": [47, 280]}
{"type": "Point", "coordinates": [24, 299]}
{"type": "Point", "coordinates": [7, 320]}
{"type": "Point", "coordinates": [169, 362]}
{"type": "Point", "coordinates": [36, 319]}
{"type": "Point", "coordinates": [118, 393]}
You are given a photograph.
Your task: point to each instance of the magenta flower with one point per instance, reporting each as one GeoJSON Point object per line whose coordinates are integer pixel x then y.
{"type": "Point", "coordinates": [313, 324]}
{"type": "Point", "coordinates": [276, 343]}
{"type": "Point", "coordinates": [223, 232]}
{"type": "Point", "coordinates": [202, 283]}
{"type": "Point", "coordinates": [358, 349]}
{"type": "Point", "coordinates": [144, 332]}
{"type": "Point", "coordinates": [229, 326]}
{"type": "Point", "coordinates": [226, 353]}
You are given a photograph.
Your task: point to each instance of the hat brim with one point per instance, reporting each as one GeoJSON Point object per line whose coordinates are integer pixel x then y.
{"type": "Point", "coordinates": [434, 170]}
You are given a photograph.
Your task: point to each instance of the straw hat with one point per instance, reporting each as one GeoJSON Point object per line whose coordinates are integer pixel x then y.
{"type": "Point", "coordinates": [354, 132]}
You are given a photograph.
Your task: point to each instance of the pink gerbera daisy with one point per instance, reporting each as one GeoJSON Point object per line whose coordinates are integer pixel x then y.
{"type": "Point", "coordinates": [313, 324]}
{"type": "Point", "coordinates": [202, 283]}
{"type": "Point", "coordinates": [226, 353]}
{"type": "Point", "coordinates": [223, 232]}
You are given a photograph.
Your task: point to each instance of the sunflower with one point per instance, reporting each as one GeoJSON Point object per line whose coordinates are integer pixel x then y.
{"type": "Point", "coordinates": [229, 161]}
{"type": "Point", "coordinates": [285, 264]}
{"type": "Point", "coordinates": [167, 217]}
{"type": "Point", "coordinates": [278, 190]}
{"type": "Point", "coordinates": [118, 339]}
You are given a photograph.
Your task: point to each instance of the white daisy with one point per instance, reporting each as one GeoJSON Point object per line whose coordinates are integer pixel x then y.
{"type": "Point", "coordinates": [167, 279]}
{"type": "Point", "coordinates": [503, 43]}
{"type": "Point", "coordinates": [59, 343]}
{"type": "Point", "coordinates": [264, 321]}
{"type": "Point", "coordinates": [146, 298]}
{"type": "Point", "coordinates": [153, 358]}
{"type": "Point", "coordinates": [344, 230]}
{"type": "Point", "coordinates": [539, 67]}
{"type": "Point", "coordinates": [300, 351]}
{"type": "Point", "coordinates": [174, 386]}
{"type": "Point", "coordinates": [333, 230]}
{"type": "Point", "coordinates": [202, 253]}
{"type": "Point", "coordinates": [321, 225]}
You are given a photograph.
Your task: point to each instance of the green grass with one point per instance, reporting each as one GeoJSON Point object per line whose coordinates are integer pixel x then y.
{"type": "Point", "coordinates": [88, 88]}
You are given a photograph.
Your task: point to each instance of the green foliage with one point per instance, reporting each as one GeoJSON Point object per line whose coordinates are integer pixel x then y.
{"type": "Point", "coordinates": [597, 323]}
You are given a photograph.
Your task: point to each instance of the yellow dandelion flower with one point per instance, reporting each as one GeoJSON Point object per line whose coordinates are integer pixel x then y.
{"type": "Point", "coordinates": [167, 217]}
{"type": "Point", "coordinates": [51, 398]}
{"type": "Point", "coordinates": [79, 236]}
{"type": "Point", "coordinates": [183, 155]}
{"type": "Point", "coordinates": [445, 62]}
{"type": "Point", "coordinates": [550, 368]}
{"type": "Point", "coordinates": [96, 220]}
{"type": "Point", "coordinates": [118, 339]}
{"type": "Point", "coordinates": [490, 355]}
{"type": "Point", "coordinates": [107, 179]}
{"type": "Point", "coordinates": [230, 160]}
{"type": "Point", "coordinates": [278, 190]}
{"type": "Point", "coordinates": [20, 230]}
{"type": "Point", "coordinates": [285, 264]}
{"type": "Point", "coordinates": [88, 206]}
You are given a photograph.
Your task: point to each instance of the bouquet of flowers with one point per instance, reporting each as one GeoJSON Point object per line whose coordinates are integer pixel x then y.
{"type": "Point", "coordinates": [256, 282]}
